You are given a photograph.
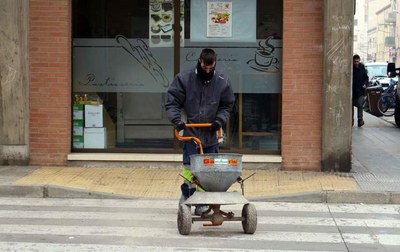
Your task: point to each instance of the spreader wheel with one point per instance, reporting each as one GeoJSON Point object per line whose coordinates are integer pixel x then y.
{"type": "Point", "coordinates": [249, 222]}
{"type": "Point", "coordinates": [184, 219]}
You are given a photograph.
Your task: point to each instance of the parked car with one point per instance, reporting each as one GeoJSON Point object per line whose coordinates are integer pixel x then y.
{"type": "Point", "coordinates": [377, 73]}
{"type": "Point", "coordinates": [392, 71]}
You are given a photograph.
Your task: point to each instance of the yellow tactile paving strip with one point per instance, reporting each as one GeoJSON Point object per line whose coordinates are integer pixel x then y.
{"type": "Point", "coordinates": [165, 183]}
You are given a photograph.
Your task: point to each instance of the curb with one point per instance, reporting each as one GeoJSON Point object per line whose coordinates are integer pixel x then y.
{"type": "Point", "coordinates": [343, 197]}
{"type": "Point", "coordinates": [363, 197]}
{"type": "Point", "coordinates": [45, 191]}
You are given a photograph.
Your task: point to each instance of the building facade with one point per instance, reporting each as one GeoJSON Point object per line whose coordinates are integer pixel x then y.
{"type": "Point", "coordinates": [95, 75]}
{"type": "Point", "coordinates": [382, 31]}
{"type": "Point", "coordinates": [361, 30]}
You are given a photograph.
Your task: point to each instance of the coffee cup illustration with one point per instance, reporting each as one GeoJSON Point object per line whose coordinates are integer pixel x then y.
{"type": "Point", "coordinates": [264, 58]}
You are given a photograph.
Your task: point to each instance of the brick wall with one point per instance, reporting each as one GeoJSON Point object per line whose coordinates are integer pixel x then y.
{"type": "Point", "coordinates": [50, 90]}
{"type": "Point", "coordinates": [302, 84]}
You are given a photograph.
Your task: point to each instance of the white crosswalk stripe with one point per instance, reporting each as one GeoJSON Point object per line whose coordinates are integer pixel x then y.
{"type": "Point", "coordinates": [23, 246]}
{"type": "Point", "coordinates": [150, 225]}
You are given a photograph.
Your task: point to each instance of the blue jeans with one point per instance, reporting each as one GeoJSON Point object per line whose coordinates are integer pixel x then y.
{"type": "Point", "coordinates": [190, 148]}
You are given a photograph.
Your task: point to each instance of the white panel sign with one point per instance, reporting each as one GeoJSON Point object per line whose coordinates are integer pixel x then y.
{"type": "Point", "coordinates": [130, 65]}
{"type": "Point", "coordinates": [219, 19]}
{"type": "Point", "coordinates": [251, 70]}
{"type": "Point", "coordinates": [241, 21]}
{"type": "Point", "coordinates": [120, 65]}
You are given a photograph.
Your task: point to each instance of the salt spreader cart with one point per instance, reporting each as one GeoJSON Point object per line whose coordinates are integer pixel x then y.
{"type": "Point", "coordinates": [215, 173]}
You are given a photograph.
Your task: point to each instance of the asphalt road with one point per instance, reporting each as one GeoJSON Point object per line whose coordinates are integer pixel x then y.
{"type": "Point", "coordinates": [36, 224]}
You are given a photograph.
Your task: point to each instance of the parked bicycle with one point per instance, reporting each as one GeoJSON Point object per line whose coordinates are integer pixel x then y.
{"type": "Point", "coordinates": [387, 102]}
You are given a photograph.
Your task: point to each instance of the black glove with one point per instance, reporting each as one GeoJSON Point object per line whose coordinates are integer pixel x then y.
{"type": "Point", "coordinates": [180, 126]}
{"type": "Point", "coordinates": [216, 125]}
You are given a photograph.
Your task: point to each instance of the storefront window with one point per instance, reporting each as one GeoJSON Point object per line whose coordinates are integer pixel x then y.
{"type": "Point", "coordinates": [124, 59]}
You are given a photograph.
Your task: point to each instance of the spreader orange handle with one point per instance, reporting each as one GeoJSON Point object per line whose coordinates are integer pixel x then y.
{"type": "Point", "coordinates": [197, 140]}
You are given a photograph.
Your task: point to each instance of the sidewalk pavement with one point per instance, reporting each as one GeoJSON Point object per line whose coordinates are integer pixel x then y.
{"type": "Point", "coordinates": [374, 177]}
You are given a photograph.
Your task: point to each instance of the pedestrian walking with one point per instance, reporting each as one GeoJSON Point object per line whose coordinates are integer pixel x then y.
{"type": "Point", "coordinates": [360, 81]}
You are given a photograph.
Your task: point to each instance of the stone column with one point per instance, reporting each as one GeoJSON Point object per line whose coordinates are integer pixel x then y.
{"type": "Point", "coordinates": [337, 105]}
{"type": "Point", "coordinates": [14, 81]}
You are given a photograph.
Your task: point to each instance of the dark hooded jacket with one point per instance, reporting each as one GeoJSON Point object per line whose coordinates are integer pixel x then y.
{"type": "Point", "coordinates": [360, 78]}
{"type": "Point", "coordinates": [202, 102]}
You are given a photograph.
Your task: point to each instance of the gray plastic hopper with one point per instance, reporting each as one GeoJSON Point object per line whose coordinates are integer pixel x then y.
{"type": "Point", "coordinates": [216, 172]}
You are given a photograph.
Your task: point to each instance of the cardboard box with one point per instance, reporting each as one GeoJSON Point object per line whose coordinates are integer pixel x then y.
{"type": "Point", "coordinates": [95, 138]}
{"type": "Point", "coordinates": [77, 142]}
{"type": "Point", "coordinates": [77, 127]}
{"type": "Point", "coordinates": [77, 112]}
{"type": "Point", "coordinates": [94, 116]}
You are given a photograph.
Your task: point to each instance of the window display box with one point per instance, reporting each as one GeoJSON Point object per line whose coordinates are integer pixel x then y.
{"type": "Point", "coordinates": [77, 127]}
{"type": "Point", "coordinates": [94, 116]}
{"type": "Point", "coordinates": [95, 138]}
{"type": "Point", "coordinates": [77, 142]}
{"type": "Point", "coordinates": [77, 112]}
